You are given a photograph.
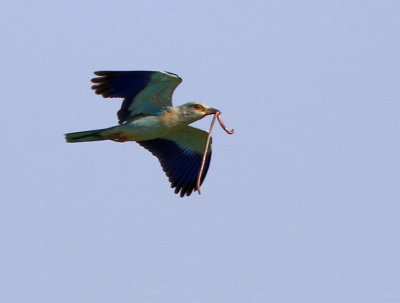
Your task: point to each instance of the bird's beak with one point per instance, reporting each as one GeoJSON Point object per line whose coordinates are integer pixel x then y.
{"type": "Point", "coordinates": [211, 111]}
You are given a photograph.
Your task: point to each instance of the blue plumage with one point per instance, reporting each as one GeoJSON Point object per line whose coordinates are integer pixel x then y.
{"type": "Point", "coordinates": [124, 84]}
{"type": "Point", "coordinates": [148, 117]}
{"type": "Point", "coordinates": [180, 165]}
{"type": "Point", "coordinates": [144, 92]}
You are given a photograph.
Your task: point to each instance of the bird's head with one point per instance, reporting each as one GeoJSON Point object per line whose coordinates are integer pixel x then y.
{"type": "Point", "coordinates": [193, 111]}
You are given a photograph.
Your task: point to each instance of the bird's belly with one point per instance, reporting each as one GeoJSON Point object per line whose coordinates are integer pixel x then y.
{"type": "Point", "coordinates": [147, 128]}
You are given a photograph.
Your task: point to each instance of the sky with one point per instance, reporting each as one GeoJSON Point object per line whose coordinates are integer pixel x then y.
{"type": "Point", "coordinates": [301, 204]}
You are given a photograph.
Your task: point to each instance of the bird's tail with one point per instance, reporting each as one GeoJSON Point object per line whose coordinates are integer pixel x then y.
{"type": "Point", "coordinates": [86, 136]}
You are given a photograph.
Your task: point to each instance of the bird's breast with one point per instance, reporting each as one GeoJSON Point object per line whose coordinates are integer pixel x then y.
{"type": "Point", "coordinates": [170, 118]}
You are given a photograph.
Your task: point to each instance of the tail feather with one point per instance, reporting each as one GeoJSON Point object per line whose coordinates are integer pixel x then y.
{"type": "Point", "coordinates": [85, 136]}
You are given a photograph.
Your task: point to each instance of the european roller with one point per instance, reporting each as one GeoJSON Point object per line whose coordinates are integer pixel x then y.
{"type": "Point", "coordinates": [148, 117]}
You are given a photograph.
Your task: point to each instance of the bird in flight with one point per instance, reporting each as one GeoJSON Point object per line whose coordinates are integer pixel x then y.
{"type": "Point", "coordinates": [148, 117]}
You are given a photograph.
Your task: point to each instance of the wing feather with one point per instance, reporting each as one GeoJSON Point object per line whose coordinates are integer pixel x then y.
{"type": "Point", "coordinates": [180, 155]}
{"type": "Point", "coordinates": [144, 92]}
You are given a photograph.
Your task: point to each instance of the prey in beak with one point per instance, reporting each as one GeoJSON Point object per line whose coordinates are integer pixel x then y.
{"type": "Point", "coordinates": [211, 111]}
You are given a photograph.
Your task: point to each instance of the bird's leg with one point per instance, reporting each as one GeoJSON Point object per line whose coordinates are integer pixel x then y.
{"type": "Point", "coordinates": [203, 160]}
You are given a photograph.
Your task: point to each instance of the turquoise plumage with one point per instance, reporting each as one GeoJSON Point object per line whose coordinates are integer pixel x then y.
{"type": "Point", "coordinates": [148, 117]}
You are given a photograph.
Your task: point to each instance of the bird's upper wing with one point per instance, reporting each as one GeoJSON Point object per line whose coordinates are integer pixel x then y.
{"type": "Point", "coordinates": [180, 154]}
{"type": "Point", "coordinates": [144, 92]}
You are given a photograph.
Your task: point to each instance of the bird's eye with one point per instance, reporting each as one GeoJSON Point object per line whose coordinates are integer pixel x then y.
{"type": "Point", "coordinates": [197, 107]}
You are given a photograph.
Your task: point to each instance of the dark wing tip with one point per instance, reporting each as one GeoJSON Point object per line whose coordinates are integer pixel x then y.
{"type": "Point", "coordinates": [103, 73]}
{"type": "Point", "coordinates": [180, 166]}
{"type": "Point", "coordinates": [103, 76]}
{"type": "Point", "coordinates": [103, 90]}
{"type": "Point", "coordinates": [120, 84]}
{"type": "Point", "coordinates": [102, 86]}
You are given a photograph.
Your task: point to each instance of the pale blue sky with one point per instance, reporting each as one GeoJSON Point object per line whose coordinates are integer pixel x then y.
{"type": "Point", "coordinates": [302, 204]}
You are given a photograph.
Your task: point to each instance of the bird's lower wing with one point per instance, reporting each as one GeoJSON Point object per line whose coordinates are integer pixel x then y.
{"type": "Point", "coordinates": [180, 154]}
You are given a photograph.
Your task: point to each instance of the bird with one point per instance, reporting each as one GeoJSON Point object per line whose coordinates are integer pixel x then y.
{"type": "Point", "coordinates": [148, 118]}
